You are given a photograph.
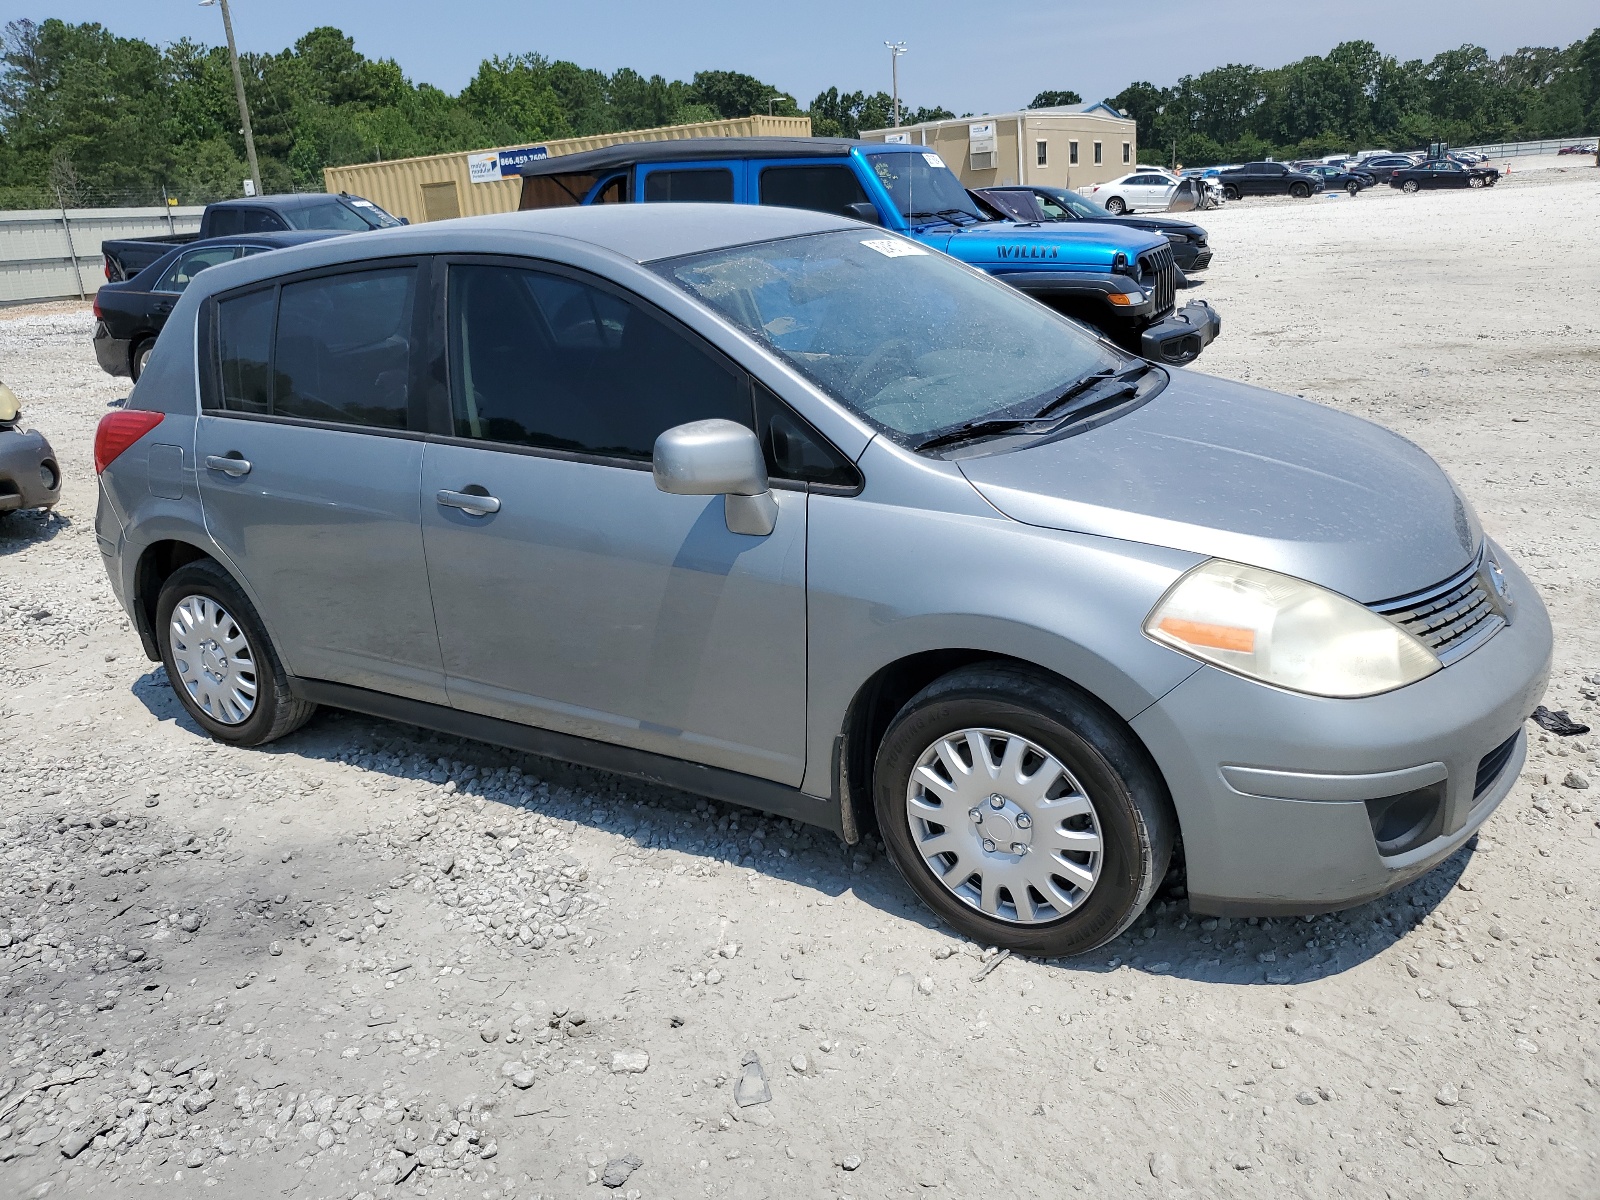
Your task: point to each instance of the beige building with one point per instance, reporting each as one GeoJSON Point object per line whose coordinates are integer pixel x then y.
{"type": "Point", "coordinates": [1069, 146]}
{"type": "Point", "coordinates": [439, 186]}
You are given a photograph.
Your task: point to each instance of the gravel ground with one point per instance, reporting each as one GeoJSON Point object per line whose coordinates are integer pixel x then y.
{"type": "Point", "coordinates": [368, 961]}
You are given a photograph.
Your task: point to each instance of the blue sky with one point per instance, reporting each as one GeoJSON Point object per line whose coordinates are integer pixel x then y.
{"type": "Point", "coordinates": [968, 57]}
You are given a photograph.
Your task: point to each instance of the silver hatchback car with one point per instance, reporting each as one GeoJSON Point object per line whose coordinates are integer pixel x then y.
{"type": "Point", "coordinates": [789, 511]}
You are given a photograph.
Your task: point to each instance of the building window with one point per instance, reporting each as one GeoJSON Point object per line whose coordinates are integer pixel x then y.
{"type": "Point", "coordinates": [1098, 156]}
{"type": "Point", "coordinates": [1040, 149]}
{"type": "Point", "coordinates": [1072, 153]}
{"type": "Point", "coordinates": [1127, 152]}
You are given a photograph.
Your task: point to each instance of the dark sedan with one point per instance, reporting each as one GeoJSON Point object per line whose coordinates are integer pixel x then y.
{"type": "Point", "coordinates": [1190, 246]}
{"type": "Point", "coordinates": [1444, 173]}
{"type": "Point", "coordinates": [1383, 166]}
{"type": "Point", "coordinates": [129, 314]}
{"type": "Point", "coordinates": [1337, 179]}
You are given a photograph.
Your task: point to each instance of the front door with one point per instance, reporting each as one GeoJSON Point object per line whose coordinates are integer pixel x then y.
{"type": "Point", "coordinates": [309, 456]}
{"type": "Point", "coordinates": [570, 593]}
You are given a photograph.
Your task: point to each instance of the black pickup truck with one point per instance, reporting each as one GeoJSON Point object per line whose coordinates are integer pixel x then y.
{"type": "Point", "coordinates": [342, 213]}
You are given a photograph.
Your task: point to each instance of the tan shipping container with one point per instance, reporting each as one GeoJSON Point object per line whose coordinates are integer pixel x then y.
{"type": "Point", "coordinates": [436, 187]}
{"type": "Point", "coordinates": [1071, 146]}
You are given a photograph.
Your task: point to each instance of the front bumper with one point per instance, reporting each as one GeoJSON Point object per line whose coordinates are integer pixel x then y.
{"type": "Point", "coordinates": [1272, 788]}
{"type": "Point", "coordinates": [1190, 256]}
{"type": "Point", "coordinates": [1181, 337]}
{"type": "Point", "coordinates": [30, 477]}
{"type": "Point", "coordinates": [111, 353]}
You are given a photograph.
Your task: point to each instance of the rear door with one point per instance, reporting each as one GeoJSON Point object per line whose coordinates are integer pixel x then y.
{"type": "Point", "coordinates": [309, 447]}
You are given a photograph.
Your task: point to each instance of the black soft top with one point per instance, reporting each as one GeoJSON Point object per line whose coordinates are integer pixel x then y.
{"type": "Point", "coordinates": [609, 158]}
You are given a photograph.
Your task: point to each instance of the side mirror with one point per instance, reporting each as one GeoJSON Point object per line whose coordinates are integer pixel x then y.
{"type": "Point", "coordinates": [864, 210]}
{"type": "Point", "coordinates": [405, 220]}
{"type": "Point", "coordinates": [718, 458]}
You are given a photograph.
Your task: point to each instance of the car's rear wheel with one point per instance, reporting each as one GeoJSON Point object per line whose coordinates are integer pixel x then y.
{"type": "Point", "coordinates": [220, 661]}
{"type": "Point", "coordinates": [1021, 811]}
{"type": "Point", "coordinates": [1410, 185]}
{"type": "Point", "coordinates": [1229, 192]}
{"type": "Point", "coordinates": [1116, 206]}
{"type": "Point", "coordinates": [1299, 191]}
{"type": "Point", "coordinates": [139, 357]}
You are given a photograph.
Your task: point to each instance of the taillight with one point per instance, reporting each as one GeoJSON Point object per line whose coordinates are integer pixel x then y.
{"type": "Point", "coordinates": [119, 430]}
{"type": "Point", "coordinates": [105, 266]}
{"type": "Point", "coordinates": [98, 315]}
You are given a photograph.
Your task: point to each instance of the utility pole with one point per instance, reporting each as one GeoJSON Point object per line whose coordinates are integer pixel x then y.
{"type": "Point", "coordinates": [896, 49]}
{"type": "Point", "coordinates": [238, 87]}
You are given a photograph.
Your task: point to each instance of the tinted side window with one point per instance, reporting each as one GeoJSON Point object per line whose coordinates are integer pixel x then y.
{"type": "Point", "coordinates": [244, 348]}
{"type": "Point", "coordinates": [228, 221]}
{"type": "Point", "coordinates": [329, 215]}
{"type": "Point", "coordinates": [191, 264]}
{"type": "Point", "coordinates": [711, 185]}
{"type": "Point", "coordinates": [545, 360]}
{"type": "Point", "coordinates": [343, 348]}
{"type": "Point", "coordinates": [795, 450]}
{"type": "Point", "coordinates": [822, 189]}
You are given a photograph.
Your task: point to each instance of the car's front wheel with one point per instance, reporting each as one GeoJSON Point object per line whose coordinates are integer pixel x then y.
{"type": "Point", "coordinates": [1021, 811]}
{"type": "Point", "coordinates": [219, 660]}
{"type": "Point", "coordinates": [1475, 181]}
{"type": "Point", "coordinates": [1300, 191]}
{"type": "Point", "coordinates": [1352, 187]}
{"type": "Point", "coordinates": [1410, 185]}
{"type": "Point", "coordinates": [1116, 206]}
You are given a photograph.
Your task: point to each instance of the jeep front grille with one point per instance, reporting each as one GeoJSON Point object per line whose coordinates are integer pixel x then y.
{"type": "Point", "coordinates": [1452, 618]}
{"type": "Point", "coordinates": [1158, 272]}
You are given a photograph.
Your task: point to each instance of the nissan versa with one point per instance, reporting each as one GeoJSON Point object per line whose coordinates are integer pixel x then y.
{"type": "Point", "coordinates": [792, 511]}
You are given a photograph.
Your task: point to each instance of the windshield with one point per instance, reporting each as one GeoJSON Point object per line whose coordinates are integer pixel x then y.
{"type": "Point", "coordinates": [1076, 204]}
{"type": "Point", "coordinates": [910, 340]}
{"type": "Point", "coordinates": [354, 216]}
{"type": "Point", "coordinates": [921, 186]}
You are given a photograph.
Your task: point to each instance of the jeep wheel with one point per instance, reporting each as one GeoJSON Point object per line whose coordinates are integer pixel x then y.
{"type": "Point", "coordinates": [1410, 185]}
{"type": "Point", "coordinates": [1229, 192]}
{"type": "Point", "coordinates": [1021, 811]}
{"type": "Point", "coordinates": [219, 660]}
{"type": "Point", "coordinates": [1115, 206]}
{"type": "Point", "coordinates": [1299, 191]}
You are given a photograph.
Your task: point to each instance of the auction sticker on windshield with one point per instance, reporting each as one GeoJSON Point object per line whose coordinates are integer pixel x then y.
{"type": "Point", "coordinates": [892, 247]}
{"type": "Point", "coordinates": [933, 160]}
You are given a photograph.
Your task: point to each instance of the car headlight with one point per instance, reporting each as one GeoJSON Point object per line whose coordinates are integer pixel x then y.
{"type": "Point", "coordinates": [1286, 632]}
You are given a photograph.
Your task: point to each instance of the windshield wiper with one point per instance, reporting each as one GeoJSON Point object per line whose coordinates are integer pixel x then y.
{"type": "Point", "coordinates": [1049, 417]}
{"type": "Point", "coordinates": [983, 425]}
{"type": "Point", "coordinates": [1126, 386]}
{"type": "Point", "coordinates": [945, 213]}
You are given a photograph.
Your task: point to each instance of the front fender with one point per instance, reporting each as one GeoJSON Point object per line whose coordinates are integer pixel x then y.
{"type": "Point", "coordinates": [886, 582]}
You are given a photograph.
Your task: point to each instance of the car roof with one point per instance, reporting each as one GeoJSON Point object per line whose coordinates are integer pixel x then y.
{"type": "Point", "coordinates": [691, 149]}
{"type": "Point", "coordinates": [280, 239]}
{"type": "Point", "coordinates": [641, 233]}
{"type": "Point", "coordinates": [280, 200]}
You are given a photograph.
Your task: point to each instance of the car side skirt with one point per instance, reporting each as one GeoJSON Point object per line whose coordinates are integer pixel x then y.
{"type": "Point", "coordinates": [714, 782]}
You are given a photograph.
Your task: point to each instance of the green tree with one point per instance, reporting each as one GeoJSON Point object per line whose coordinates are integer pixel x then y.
{"type": "Point", "coordinates": [1053, 99]}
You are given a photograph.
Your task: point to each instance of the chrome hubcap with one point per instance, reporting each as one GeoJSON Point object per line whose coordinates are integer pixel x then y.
{"type": "Point", "coordinates": [1004, 826]}
{"type": "Point", "coordinates": [215, 664]}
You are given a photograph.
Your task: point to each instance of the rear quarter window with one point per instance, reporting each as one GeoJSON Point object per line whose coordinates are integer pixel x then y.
{"type": "Point", "coordinates": [709, 185]}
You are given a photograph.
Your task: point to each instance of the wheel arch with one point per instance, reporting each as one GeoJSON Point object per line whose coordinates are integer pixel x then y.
{"type": "Point", "coordinates": [886, 691]}
{"type": "Point", "coordinates": [155, 566]}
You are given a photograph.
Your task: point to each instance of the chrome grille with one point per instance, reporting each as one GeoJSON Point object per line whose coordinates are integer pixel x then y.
{"type": "Point", "coordinates": [1452, 618]}
{"type": "Point", "coordinates": [1158, 273]}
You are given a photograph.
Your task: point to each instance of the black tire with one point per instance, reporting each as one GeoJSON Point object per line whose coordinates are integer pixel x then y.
{"type": "Point", "coordinates": [1116, 206]}
{"type": "Point", "coordinates": [1353, 188]}
{"type": "Point", "coordinates": [1130, 800]}
{"type": "Point", "coordinates": [1229, 192]}
{"type": "Point", "coordinates": [1411, 186]}
{"type": "Point", "coordinates": [276, 711]}
{"type": "Point", "coordinates": [139, 356]}
{"type": "Point", "coordinates": [1476, 181]}
{"type": "Point", "coordinates": [1299, 191]}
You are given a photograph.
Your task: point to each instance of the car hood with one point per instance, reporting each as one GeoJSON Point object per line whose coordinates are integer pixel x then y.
{"type": "Point", "coordinates": [1231, 471]}
{"type": "Point", "coordinates": [1004, 246]}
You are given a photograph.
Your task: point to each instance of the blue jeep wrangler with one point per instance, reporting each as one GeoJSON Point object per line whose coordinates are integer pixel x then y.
{"type": "Point", "coordinates": [1122, 281]}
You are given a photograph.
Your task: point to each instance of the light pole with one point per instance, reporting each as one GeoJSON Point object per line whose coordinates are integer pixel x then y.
{"type": "Point", "coordinates": [896, 49]}
{"type": "Point", "coordinates": [238, 87]}
{"type": "Point", "coordinates": [771, 100]}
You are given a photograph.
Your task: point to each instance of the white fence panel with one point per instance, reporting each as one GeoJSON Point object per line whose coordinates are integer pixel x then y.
{"type": "Point", "coordinates": [48, 254]}
{"type": "Point", "coordinates": [1517, 149]}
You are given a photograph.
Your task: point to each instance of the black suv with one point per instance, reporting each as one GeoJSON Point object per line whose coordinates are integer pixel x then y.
{"type": "Point", "coordinates": [1267, 179]}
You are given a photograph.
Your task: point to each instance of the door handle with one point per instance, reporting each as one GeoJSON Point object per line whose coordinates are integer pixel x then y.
{"type": "Point", "coordinates": [228, 464]}
{"type": "Point", "coordinates": [162, 307]}
{"type": "Point", "coordinates": [474, 505]}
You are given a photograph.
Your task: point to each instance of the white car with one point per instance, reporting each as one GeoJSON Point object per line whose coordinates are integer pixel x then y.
{"type": "Point", "coordinates": [1146, 189]}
